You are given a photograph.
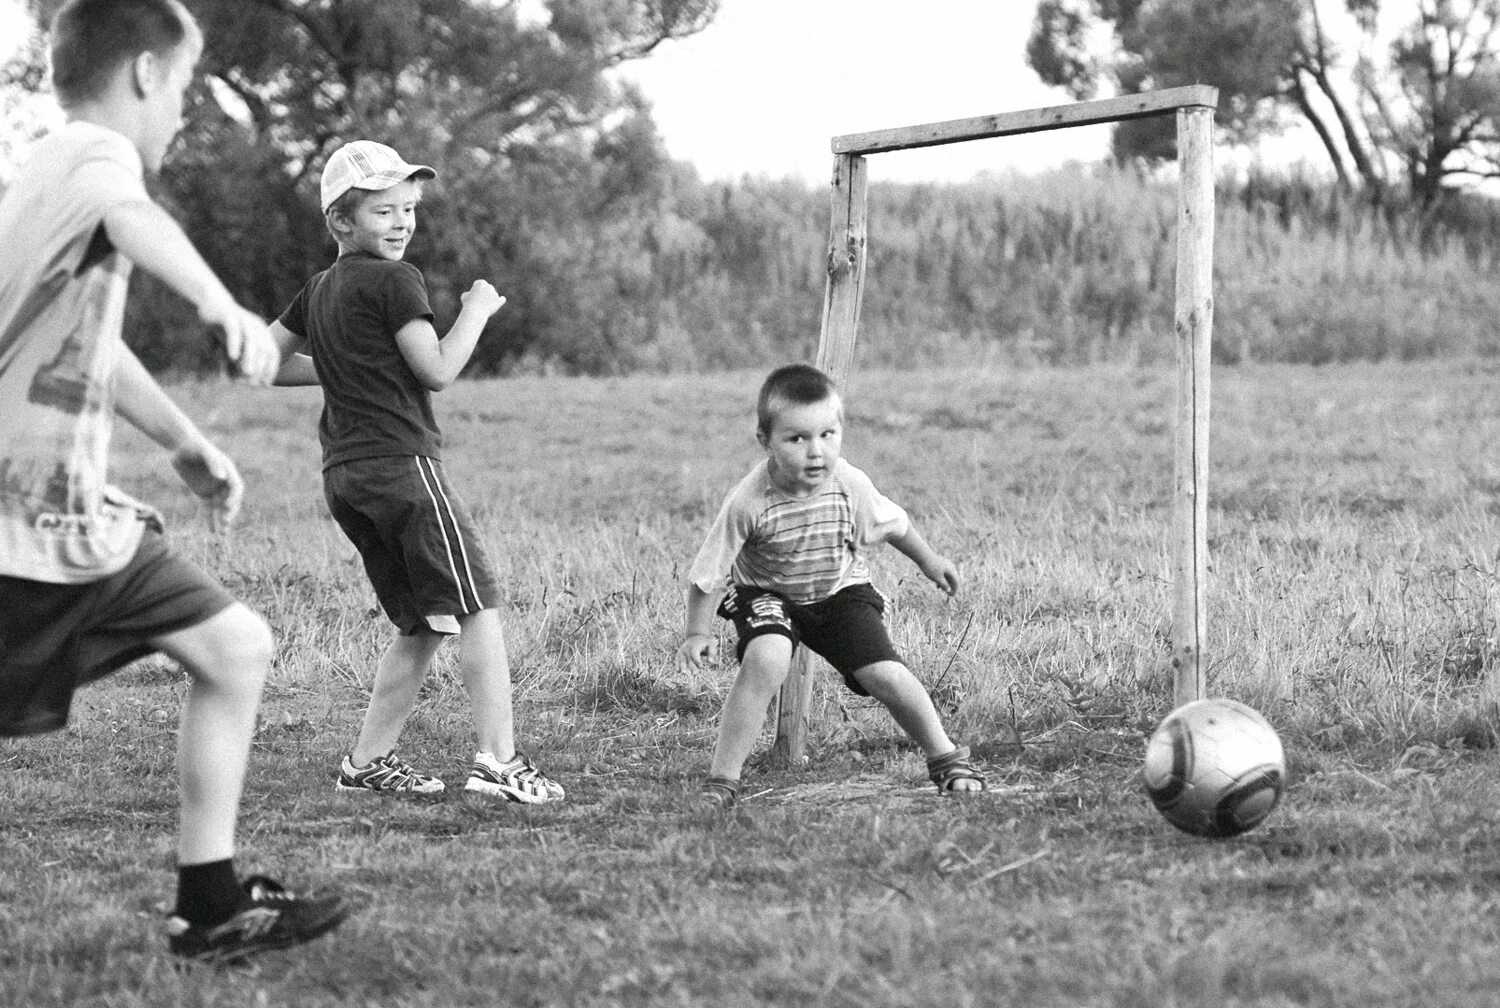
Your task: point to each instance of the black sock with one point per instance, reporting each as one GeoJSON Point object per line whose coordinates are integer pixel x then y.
{"type": "Point", "coordinates": [208, 894]}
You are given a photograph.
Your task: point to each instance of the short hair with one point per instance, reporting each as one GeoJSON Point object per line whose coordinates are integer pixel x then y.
{"type": "Point", "coordinates": [351, 200]}
{"type": "Point", "coordinates": [92, 38]}
{"type": "Point", "coordinates": [791, 385]}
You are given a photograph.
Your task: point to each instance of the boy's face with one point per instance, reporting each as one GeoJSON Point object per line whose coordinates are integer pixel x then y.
{"type": "Point", "coordinates": [383, 222]}
{"type": "Point", "coordinates": [804, 444]}
{"type": "Point", "coordinates": [163, 81]}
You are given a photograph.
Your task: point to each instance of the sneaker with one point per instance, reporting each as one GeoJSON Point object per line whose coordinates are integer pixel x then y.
{"type": "Point", "coordinates": [272, 918]}
{"type": "Point", "coordinates": [386, 773]}
{"type": "Point", "coordinates": [720, 792]}
{"type": "Point", "coordinates": [517, 780]}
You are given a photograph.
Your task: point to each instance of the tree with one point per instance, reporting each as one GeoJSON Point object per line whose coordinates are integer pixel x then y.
{"type": "Point", "coordinates": [1415, 108]}
{"type": "Point", "coordinates": [1438, 111]}
{"type": "Point", "coordinates": [511, 102]}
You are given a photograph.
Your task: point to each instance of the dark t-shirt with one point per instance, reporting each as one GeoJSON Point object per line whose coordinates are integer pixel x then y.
{"type": "Point", "coordinates": [372, 403]}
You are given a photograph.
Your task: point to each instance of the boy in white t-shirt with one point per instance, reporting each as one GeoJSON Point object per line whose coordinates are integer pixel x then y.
{"type": "Point", "coordinates": [88, 581]}
{"type": "Point", "coordinates": [782, 562]}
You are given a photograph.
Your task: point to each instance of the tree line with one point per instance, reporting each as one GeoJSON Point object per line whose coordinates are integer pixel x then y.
{"type": "Point", "coordinates": [1403, 96]}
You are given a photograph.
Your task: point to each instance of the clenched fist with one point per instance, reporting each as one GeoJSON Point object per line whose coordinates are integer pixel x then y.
{"type": "Point", "coordinates": [482, 297]}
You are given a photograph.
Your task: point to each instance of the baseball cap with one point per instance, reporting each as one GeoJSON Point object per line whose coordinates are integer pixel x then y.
{"type": "Point", "coordinates": [365, 164]}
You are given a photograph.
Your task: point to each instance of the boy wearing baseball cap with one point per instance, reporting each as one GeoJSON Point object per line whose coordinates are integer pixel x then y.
{"type": "Point", "coordinates": [363, 329]}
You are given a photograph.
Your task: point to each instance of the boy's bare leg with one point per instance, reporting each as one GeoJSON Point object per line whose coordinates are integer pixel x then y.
{"type": "Point", "coordinates": [901, 693]}
{"type": "Point", "coordinates": [486, 671]}
{"type": "Point", "coordinates": [762, 670]}
{"type": "Point", "coordinates": [217, 914]}
{"type": "Point", "coordinates": [227, 657]}
{"type": "Point", "coordinates": [398, 679]}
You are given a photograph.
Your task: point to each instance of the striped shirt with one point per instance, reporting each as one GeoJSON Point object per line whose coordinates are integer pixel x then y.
{"type": "Point", "coordinates": [802, 548]}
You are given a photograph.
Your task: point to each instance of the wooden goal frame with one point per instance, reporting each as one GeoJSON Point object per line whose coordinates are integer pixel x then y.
{"type": "Point", "coordinates": [1194, 106]}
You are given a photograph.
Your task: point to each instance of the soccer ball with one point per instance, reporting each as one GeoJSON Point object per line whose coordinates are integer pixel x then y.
{"type": "Point", "coordinates": [1214, 768]}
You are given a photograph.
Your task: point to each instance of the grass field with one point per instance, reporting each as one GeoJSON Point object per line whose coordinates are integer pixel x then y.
{"type": "Point", "coordinates": [1355, 533]}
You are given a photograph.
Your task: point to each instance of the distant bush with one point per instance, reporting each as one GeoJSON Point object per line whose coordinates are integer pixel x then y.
{"type": "Point", "coordinates": [1071, 266]}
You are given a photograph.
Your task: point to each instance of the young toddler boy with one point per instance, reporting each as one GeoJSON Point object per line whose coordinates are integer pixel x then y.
{"type": "Point", "coordinates": [88, 583]}
{"type": "Point", "coordinates": [363, 330]}
{"type": "Point", "coordinates": [787, 544]}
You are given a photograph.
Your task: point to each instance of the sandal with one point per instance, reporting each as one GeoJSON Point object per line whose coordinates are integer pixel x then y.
{"type": "Point", "coordinates": [950, 768]}
{"type": "Point", "coordinates": [721, 792]}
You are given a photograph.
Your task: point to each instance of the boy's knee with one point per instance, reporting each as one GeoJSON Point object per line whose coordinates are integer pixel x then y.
{"type": "Point", "coordinates": [240, 638]}
{"type": "Point", "coordinates": [766, 660]}
{"type": "Point", "coordinates": [254, 635]}
{"type": "Point", "coordinates": [234, 645]}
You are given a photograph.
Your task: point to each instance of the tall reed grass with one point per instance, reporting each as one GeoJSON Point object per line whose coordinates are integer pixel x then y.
{"type": "Point", "coordinates": [1068, 267]}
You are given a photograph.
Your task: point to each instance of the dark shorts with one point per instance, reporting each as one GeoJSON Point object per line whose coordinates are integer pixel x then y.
{"type": "Point", "coordinates": [847, 629]}
{"type": "Point", "coordinates": [55, 638]}
{"type": "Point", "coordinates": [422, 552]}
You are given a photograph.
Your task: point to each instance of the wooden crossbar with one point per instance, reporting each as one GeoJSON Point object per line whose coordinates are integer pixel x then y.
{"type": "Point", "coordinates": [1105, 110]}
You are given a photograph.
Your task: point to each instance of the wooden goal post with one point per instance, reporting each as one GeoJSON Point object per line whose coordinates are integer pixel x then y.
{"type": "Point", "coordinates": [1194, 107]}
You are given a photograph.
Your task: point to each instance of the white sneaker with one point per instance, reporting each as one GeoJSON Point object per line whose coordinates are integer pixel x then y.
{"type": "Point", "coordinates": [388, 774]}
{"type": "Point", "coordinates": [517, 780]}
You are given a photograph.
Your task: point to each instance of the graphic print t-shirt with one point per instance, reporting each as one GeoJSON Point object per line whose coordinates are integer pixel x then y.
{"type": "Point", "coordinates": [62, 302]}
{"type": "Point", "coordinates": [802, 548]}
{"type": "Point", "coordinates": [372, 403]}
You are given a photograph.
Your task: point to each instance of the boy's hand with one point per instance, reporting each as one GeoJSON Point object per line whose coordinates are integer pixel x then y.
{"type": "Point", "coordinates": [248, 343]}
{"type": "Point", "coordinates": [211, 475]}
{"type": "Point", "coordinates": [694, 651]}
{"type": "Point", "coordinates": [942, 572]}
{"type": "Point", "coordinates": [482, 297]}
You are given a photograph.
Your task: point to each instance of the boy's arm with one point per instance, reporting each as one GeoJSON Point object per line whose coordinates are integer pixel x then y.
{"type": "Point", "coordinates": [208, 472]}
{"type": "Point", "coordinates": [715, 559]}
{"type": "Point", "coordinates": [700, 612]}
{"type": "Point", "coordinates": [878, 519]}
{"type": "Point", "coordinates": [296, 366]}
{"type": "Point", "coordinates": [297, 369]}
{"type": "Point", "coordinates": [436, 363]}
{"type": "Point", "coordinates": [149, 237]}
{"type": "Point", "coordinates": [938, 569]}
{"type": "Point", "coordinates": [698, 640]}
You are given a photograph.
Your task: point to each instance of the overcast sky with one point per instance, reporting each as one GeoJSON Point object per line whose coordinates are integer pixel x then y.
{"type": "Point", "coordinates": [764, 88]}
{"type": "Point", "coordinates": [12, 22]}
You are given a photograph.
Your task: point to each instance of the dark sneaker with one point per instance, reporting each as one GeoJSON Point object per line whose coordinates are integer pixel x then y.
{"type": "Point", "coordinates": [517, 780]}
{"type": "Point", "coordinates": [272, 918]}
{"type": "Point", "coordinates": [720, 792]}
{"type": "Point", "coordinates": [386, 773]}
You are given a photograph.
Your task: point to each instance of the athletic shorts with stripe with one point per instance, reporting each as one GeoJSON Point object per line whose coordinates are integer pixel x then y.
{"type": "Point", "coordinates": [421, 550]}
{"type": "Point", "coordinates": [55, 638]}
